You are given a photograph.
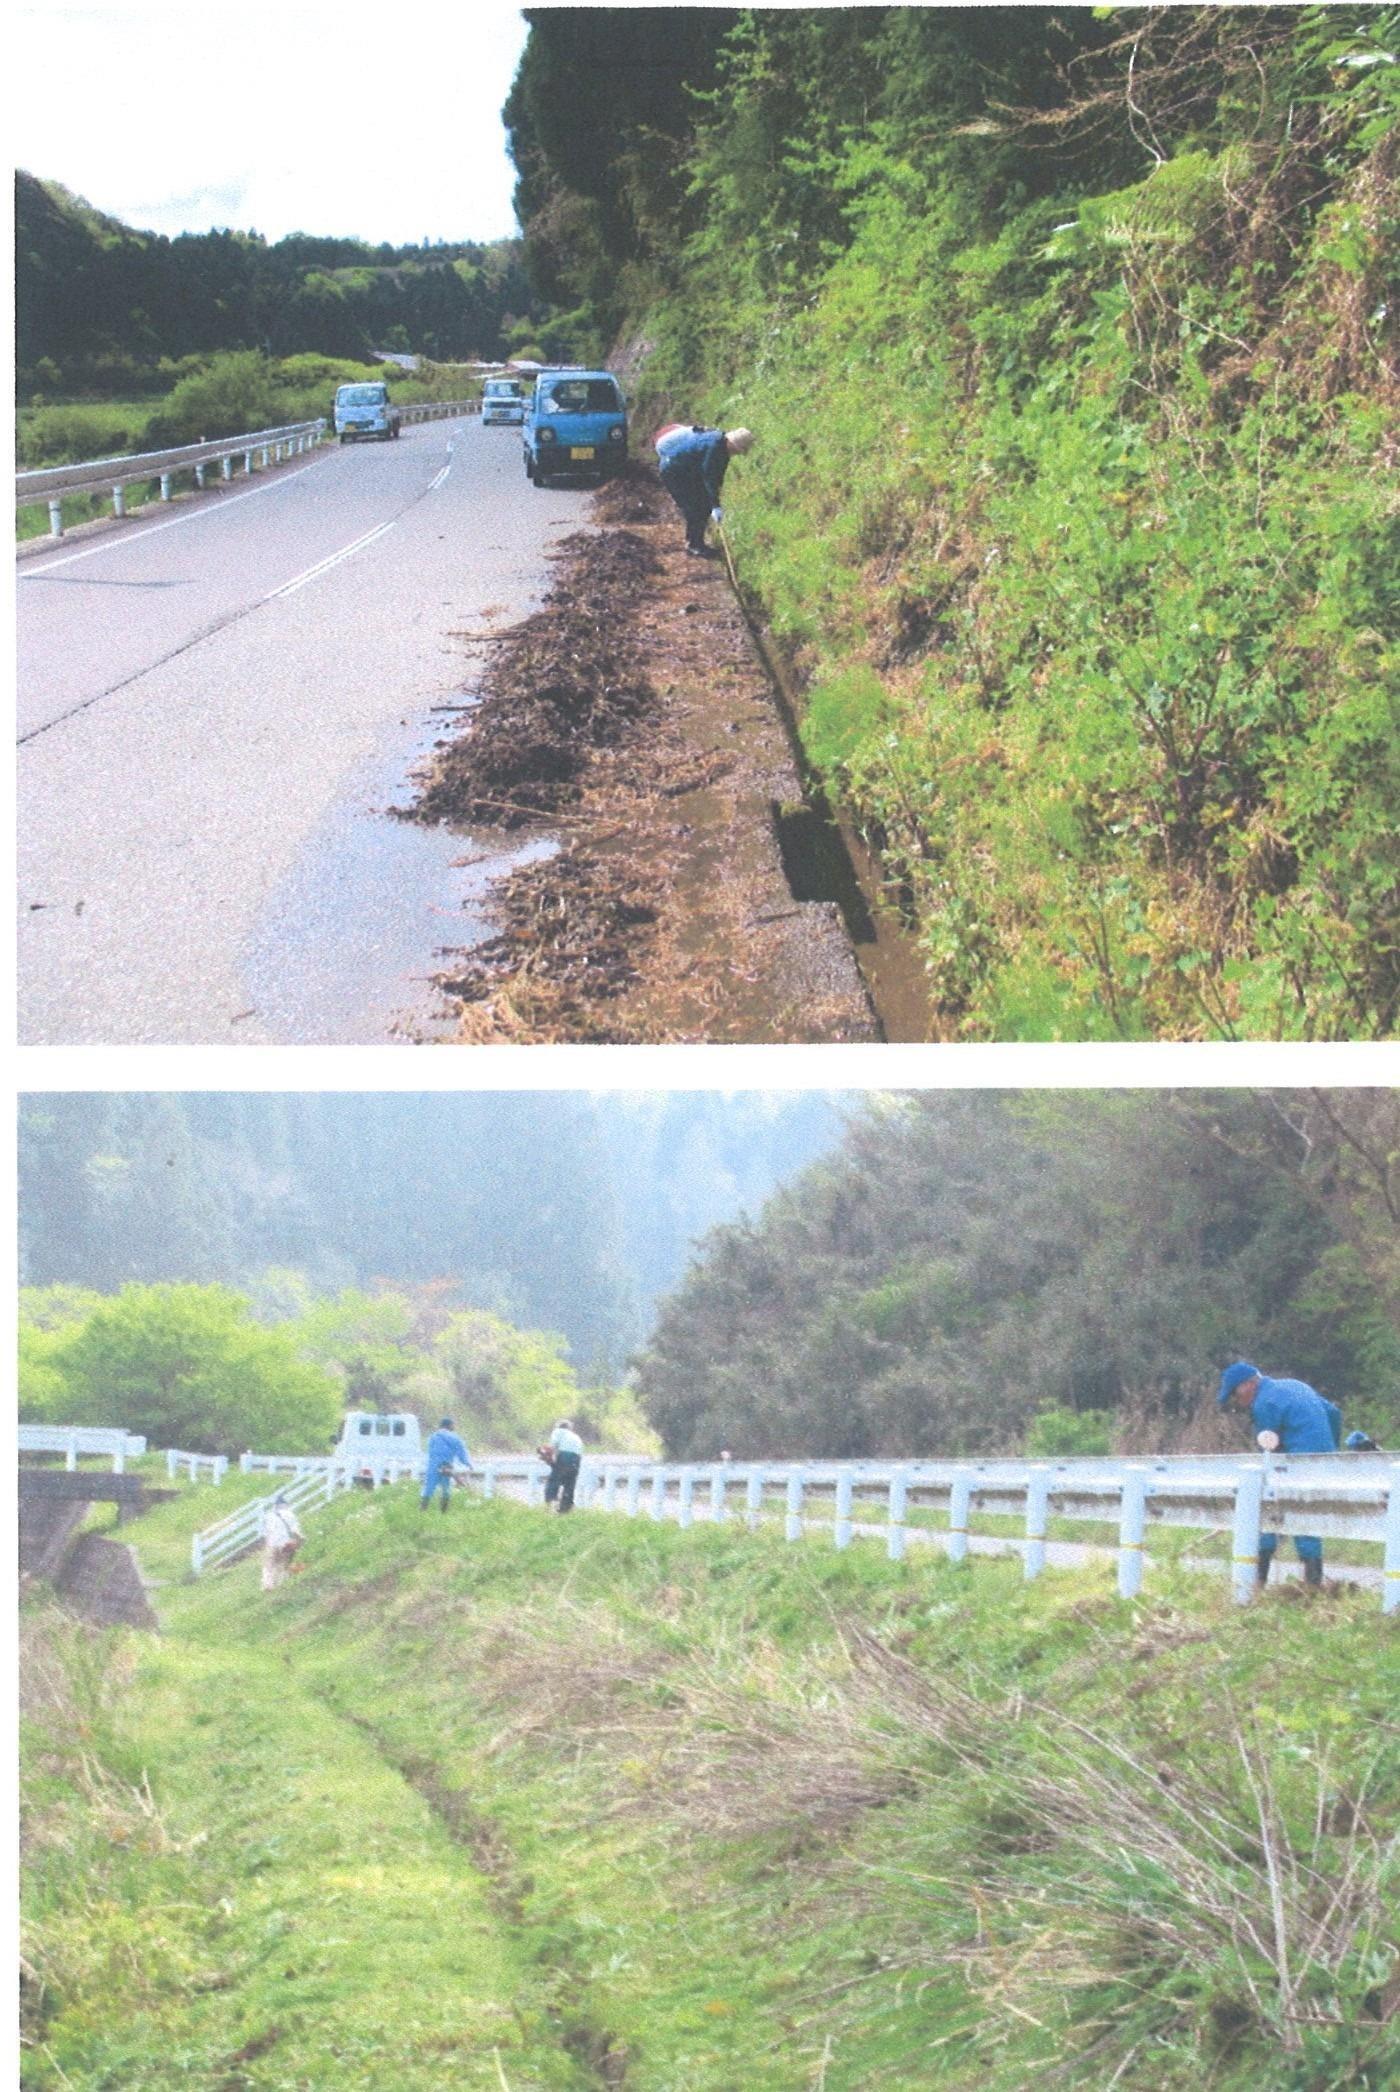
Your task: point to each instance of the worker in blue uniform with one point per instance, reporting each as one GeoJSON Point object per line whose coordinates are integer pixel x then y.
{"type": "Point", "coordinates": [693, 462]}
{"type": "Point", "coordinates": [1301, 1421]}
{"type": "Point", "coordinates": [447, 1456]}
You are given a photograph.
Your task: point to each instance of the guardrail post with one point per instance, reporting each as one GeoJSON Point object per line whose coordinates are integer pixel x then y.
{"type": "Point", "coordinates": [70, 1457]}
{"type": "Point", "coordinates": [793, 1528]}
{"type": "Point", "coordinates": [841, 1531]}
{"type": "Point", "coordinates": [634, 1491]}
{"type": "Point", "coordinates": [658, 1492]}
{"type": "Point", "coordinates": [1132, 1525]}
{"type": "Point", "coordinates": [753, 1500]}
{"type": "Point", "coordinates": [119, 501]}
{"type": "Point", "coordinates": [587, 1487]}
{"type": "Point", "coordinates": [959, 1515]}
{"type": "Point", "coordinates": [165, 486]}
{"type": "Point", "coordinates": [610, 1489]}
{"type": "Point", "coordinates": [1390, 1592]}
{"type": "Point", "coordinates": [119, 1461]}
{"type": "Point", "coordinates": [199, 474]}
{"type": "Point", "coordinates": [718, 1511]}
{"type": "Point", "coordinates": [488, 1479]}
{"type": "Point", "coordinates": [1244, 1545]}
{"type": "Point", "coordinates": [1037, 1511]}
{"type": "Point", "coordinates": [247, 463]}
{"type": "Point", "coordinates": [170, 1464]}
{"type": "Point", "coordinates": [55, 519]}
{"type": "Point", "coordinates": [226, 467]}
{"type": "Point", "coordinates": [899, 1505]}
{"type": "Point", "coordinates": [262, 456]}
{"type": "Point", "coordinates": [685, 1511]}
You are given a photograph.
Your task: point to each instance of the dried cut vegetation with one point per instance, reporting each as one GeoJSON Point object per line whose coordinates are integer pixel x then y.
{"type": "Point", "coordinates": [631, 717]}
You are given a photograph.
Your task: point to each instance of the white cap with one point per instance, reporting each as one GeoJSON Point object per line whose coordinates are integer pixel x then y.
{"type": "Point", "coordinates": [739, 439]}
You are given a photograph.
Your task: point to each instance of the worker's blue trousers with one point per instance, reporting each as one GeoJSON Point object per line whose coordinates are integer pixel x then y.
{"type": "Point", "coordinates": [442, 1481]}
{"type": "Point", "coordinates": [1309, 1549]}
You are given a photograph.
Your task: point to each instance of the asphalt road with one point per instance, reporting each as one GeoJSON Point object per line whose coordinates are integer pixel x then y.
{"type": "Point", "coordinates": [215, 706]}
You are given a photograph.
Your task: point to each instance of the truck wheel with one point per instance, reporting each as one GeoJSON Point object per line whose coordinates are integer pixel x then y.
{"type": "Point", "coordinates": [529, 467]}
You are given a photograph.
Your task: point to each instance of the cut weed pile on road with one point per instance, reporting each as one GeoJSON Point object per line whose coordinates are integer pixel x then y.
{"type": "Point", "coordinates": [500, 1799]}
{"type": "Point", "coordinates": [631, 717]}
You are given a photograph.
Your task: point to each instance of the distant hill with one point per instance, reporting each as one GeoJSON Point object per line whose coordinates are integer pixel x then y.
{"type": "Point", "coordinates": [98, 302]}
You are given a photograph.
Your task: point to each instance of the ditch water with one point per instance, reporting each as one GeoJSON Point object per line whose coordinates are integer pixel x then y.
{"type": "Point", "coordinates": [826, 859]}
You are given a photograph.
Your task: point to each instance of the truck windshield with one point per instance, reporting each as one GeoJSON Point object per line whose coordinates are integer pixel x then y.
{"type": "Point", "coordinates": [582, 396]}
{"type": "Point", "coordinates": [361, 395]}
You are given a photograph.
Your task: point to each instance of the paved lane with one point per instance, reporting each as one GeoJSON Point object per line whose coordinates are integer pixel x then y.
{"type": "Point", "coordinates": [266, 674]}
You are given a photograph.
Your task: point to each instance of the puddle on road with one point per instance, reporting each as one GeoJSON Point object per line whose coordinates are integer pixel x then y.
{"type": "Point", "coordinates": [345, 949]}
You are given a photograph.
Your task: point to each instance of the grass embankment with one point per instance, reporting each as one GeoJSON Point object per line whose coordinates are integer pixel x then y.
{"type": "Point", "coordinates": [501, 1799]}
{"type": "Point", "coordinates": [1074, 514]}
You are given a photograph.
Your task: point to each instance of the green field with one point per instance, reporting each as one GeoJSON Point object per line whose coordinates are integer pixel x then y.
{"type": "Point", "coordinates": [502, 1800]}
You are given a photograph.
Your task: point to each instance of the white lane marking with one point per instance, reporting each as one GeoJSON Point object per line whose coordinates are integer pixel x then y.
{"type": "Point", "coordinates": [434, 484]}
{"type": "Point", "coordinates": [215, 508]}
{"type": "Point", "coordinates": [323, 566]}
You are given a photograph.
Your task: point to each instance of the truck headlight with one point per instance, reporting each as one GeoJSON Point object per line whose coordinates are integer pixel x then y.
{"type": "Point", "coordinates": [546, 436]}
{"type": "Point", "coordinates": [616, 435]}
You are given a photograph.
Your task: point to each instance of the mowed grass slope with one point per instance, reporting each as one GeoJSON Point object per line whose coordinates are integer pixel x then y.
{"type": "Point", "coordinates": [502, 1799]}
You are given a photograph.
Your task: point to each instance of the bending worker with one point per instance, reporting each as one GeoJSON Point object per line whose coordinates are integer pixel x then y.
{"type": "Point", "coordinates": [693, 463]}
{"type": "Point", "coordinates": [1301, 1421]}
{"type": "Point", "coordinates": [447, 1456]}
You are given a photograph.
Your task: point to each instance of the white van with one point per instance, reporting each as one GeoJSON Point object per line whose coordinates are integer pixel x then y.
{"type": "Point", "coordinates": [370, 1444]}
{"type": "Point", "coordinates": [502, 399]}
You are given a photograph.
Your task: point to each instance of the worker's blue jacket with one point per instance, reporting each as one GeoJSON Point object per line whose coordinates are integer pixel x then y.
{"type": "Point", "coordinates": [1306, 1422]}
{"type": "Point", "coordinates": [445, 1449]}
{"type": "Point", "coordinates": [694, 459]}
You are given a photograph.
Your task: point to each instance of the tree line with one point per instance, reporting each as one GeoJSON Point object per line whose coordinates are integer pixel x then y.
{"type": "Point", "coordinates": [100, 306]}
{"type": "Point", "coordinates": [973, 1271]}
{"type": "Point", "coordinates": [549, 1210]}
{"type": "Point", "coordinates": [272, 1369]}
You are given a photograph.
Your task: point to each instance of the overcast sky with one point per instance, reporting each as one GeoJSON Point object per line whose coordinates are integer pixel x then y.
{"type": "Point", "coordinates": [383, 123]}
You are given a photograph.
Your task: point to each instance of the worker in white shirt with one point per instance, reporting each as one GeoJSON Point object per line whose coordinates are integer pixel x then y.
{"type": "Point", "coordinates": [282, 1536]}
{"type": "Point", "coordinates": [563, 1474]}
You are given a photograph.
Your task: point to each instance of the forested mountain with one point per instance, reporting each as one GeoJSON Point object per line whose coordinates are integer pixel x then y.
{"type": "Point", "coordinates": [1069, 337]}
{"type": "Point", "coordinates": [969, 1261]}
{"type": "Point", "coordinates": [557, 1211]}
{"type": "Point", "coordinates": [98, 302]}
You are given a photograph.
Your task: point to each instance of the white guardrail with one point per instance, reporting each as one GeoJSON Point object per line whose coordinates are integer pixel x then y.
{"type": "Point", "coordinates": [82, 1441]}
{"type": "Point", "coordinates": [243, 1528]}
{"type": "Point", "coordinates": [1332, 1496]}
{"type": "Point", "coordinates": [51, 483]}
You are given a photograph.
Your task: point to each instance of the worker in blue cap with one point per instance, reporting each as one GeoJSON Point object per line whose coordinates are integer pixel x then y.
{"type": "Point", "coordinates": [1295, 1417]}
{"type": "Point", "coordinates": [447, 1458]}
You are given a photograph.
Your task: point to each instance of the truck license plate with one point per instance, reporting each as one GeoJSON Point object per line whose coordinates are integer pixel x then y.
{"type": "Point", "coordinates": [586, 452]}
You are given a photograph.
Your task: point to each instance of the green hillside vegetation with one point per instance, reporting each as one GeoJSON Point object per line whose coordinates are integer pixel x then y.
{"type": "Point", "coordinates": [977, 1273]}
{"type": "Point", "coordinates": [103, 308]}
{"type": "Point", "coordinates": [1070, 342]}
{"type": "Point", "coordinates": [552, 1211]}
{"type": "Point", "coordinates": [208, 1370]}
{"type": "Point", "coordinates": [506, 1801]}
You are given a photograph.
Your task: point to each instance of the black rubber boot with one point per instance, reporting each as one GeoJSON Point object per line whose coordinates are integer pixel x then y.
{"type": "Point", "coordinates": [1266, 1562]}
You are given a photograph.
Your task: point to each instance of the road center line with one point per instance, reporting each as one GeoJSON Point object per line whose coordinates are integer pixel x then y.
{"type": "Point", "coordinates": [323, 566]}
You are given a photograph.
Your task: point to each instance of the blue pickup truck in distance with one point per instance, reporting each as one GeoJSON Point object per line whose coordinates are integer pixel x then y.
{"type": "Point", "coordinates": [575, 426]}
{"type": "Point", "coordinates": [365, 410]}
